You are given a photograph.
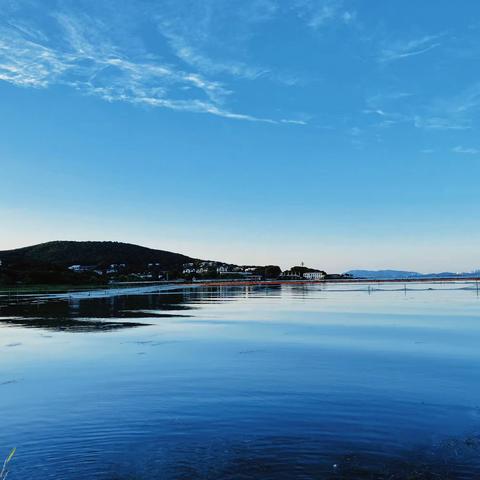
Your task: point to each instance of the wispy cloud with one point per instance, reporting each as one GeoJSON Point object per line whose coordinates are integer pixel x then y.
{"type": "Point", "coordinates": [439, 123]}
{"type": "Point", "coordinates": [198, 37]}
{"type": "Point", "coordinates": [386, 108]}
{"type": "Point", "coordinates": [410, 48]}
{"type": "Point", "coordinates": [318, 13]}
{"type": "Point", "coordinates": [387, 119]}
{"type": "Point", "coordinates": [192, 54]}
{"type": "Point", "coordinates": [465, 150]}
{"type": "Point", "coordinates": [79, 52]}
{"type": "Point", "coordinates": [456, 112]}
{"type": "Point", "coordinates": [294, 122]}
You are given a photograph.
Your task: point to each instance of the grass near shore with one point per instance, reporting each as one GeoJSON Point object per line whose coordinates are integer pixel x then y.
{"type": "Point", "coordinates": [4, 471]}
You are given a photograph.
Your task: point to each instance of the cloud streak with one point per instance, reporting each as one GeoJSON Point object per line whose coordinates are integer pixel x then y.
{"type": "Point", "coordinates": [465, 150]}
{"type": "Point", "coordinates": [450, 113]}
{"type": "Point", "coordinates": [197, 37]}
{"type": "Point", "coordinates": [319, 13]}
{"type": "Point", "coordinates": [81, 54]}
{"type": "Point", "coordinates": [411, 48]}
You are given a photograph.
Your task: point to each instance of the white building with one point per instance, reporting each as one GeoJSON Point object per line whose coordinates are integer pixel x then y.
{"type": "Point", "coordinates": [314, 275]}
{"type": "Point", "coordinates": [81, 268]}
{"type": "Point", "coordinates": [289, 275]}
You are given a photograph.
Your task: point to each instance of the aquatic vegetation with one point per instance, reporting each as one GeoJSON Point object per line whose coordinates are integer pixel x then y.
{"type": "Point", "coordinates": [4, 471]}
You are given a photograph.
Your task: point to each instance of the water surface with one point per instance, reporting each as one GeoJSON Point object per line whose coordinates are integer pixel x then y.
{"type": "Point", "coordinates": [307, 381]}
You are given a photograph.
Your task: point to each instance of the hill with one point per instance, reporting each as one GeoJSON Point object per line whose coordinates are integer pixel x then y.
{"type": "Point", "coordinates": [383, 274]}
{"type": "Point", "coordinates": [66, 253]}
{"type": "Point", "coordinates": [48, 263]}
{"type": "Point", "coordinates": [401, 274]}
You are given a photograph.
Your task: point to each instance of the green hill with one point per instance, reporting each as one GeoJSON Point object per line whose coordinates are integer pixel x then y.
{"type": "Point", "coordinates": [47, 263]}
{"type": "Point", "coordinates": [66, 253]}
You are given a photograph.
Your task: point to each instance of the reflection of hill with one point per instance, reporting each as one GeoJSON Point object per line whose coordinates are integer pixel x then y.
{"type": "Point", "coordinates": [88, 314]}
{"type": "Point", "coordinates": [69, 325]}
{"type": "Point", "coordinates": [110, 312]}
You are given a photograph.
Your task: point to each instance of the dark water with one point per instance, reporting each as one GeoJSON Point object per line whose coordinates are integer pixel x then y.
{"type": "Point", "coordinates": [287, 382]}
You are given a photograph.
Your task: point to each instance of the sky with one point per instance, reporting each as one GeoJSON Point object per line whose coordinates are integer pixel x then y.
{"type": "Point", "coordinates": [340, 133]}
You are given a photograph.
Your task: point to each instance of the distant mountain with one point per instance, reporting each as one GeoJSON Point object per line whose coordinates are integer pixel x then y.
{"type": "Point", "coordinates": [66, 253]}
{"type": "Point", "coordinates": [402, 274]}
{"type": "Point", "coordinates": [382, 274]}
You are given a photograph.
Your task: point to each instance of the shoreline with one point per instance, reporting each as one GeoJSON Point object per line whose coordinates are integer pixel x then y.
{"type": "Point", "coordinates": [120, 288]}
{"type": "Point", "coordinates": [336, 280]}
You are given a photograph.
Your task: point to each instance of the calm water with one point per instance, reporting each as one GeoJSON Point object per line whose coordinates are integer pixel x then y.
{"type": "Point", "coordinates": [327, 382]}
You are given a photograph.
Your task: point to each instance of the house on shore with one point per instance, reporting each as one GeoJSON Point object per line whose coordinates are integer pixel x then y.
{"type": "Point", "coordinates": [82, 268]}
{"type": "Point", "coordinates": [314, 275]}
{"type": "Point", "coordinates": [289, 275]}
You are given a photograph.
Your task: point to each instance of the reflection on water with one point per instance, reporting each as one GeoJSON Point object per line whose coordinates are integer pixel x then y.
{"type": "Point", "coordinates": [87, 311]}
{"type": "Point", "coordinates": [306, 381]}
{"type": "Point", "coordinates": [68, 324]}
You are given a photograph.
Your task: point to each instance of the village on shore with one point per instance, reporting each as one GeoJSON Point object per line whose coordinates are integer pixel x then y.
{"type": "Point", "coordinates": [205, 270]}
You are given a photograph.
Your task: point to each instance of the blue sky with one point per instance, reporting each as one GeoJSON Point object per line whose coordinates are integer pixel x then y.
{"type": "Point", "coordinates": [339, 133]}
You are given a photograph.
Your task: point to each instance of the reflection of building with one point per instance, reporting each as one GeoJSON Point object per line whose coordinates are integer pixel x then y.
{"type": "Point", "coordinates": [239, 274]}
{"type": "Point", "coordinates": [314, 275]}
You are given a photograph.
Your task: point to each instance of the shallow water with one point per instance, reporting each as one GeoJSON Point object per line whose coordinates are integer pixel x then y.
{"type": "Point", "coordinates": [286, 382]}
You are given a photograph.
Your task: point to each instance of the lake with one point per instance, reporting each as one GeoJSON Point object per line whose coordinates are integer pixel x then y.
{"type": "Point", "coordinates": [320, 381]}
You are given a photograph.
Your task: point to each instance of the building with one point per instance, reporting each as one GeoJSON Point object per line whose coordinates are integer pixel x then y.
{"type": "Point", "coordinates": [115, 267]}
{"type": "Point", "coordinates": [82, 268]}
{"type": "Point", "coordinates": [202, 270]}
{"type": "Point", "coordinates": [314, 275]}
{"type": "Point", "coordinates": [289, 275]}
